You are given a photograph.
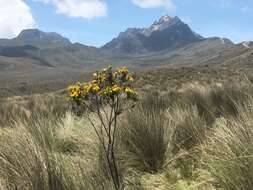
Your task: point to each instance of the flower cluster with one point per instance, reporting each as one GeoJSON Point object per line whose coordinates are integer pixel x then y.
{"type": "Point", "coordinates": [106, 84]}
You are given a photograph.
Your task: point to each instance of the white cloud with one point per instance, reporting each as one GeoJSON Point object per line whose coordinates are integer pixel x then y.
{"type": "Point", "coordinates": [15, 15]}
{"type": "Point", "coordinates": [87, 9]}
{"type": "Point", "coordinates": [154, 3]}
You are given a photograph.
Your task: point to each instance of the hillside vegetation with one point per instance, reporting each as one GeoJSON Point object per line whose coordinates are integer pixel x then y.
{"type": "Point", "coordinates": [191, 136]}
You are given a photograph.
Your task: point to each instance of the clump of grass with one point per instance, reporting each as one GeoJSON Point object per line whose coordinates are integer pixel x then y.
{"type": "Point", "coordinates": [189, 131]}
{"type": "Point", "coordinates": [155, 102]}
{"type": "Point", "coordinates": [189, 128]}
{"type": "Point", "coordinates": [32, 156]}
{"type": "Point", "coordinates": [217, 101]}
{"type": "Point", "coordinates": [25, 164]}
{"type": "Point", "coordinates": [228, 150]}
{"type": "Point", "coordinates": [145, 136]}
{"type": "Point", "coordinates": [9, 112]}
{"type": "Point", "coordinates": [171, 180]}
{"type": "Point", "coordinates": [49, 107]}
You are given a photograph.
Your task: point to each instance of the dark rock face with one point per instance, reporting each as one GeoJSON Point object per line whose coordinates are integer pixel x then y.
{"type": "Point", "coordinates": [166, 33]}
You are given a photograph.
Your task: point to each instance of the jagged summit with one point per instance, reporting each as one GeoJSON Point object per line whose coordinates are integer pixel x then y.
{"type": "Point", "coordinates": [165, 20]}
{"type": "Point", "coordinates": [161, 24]}
{"type": "Point", "coordinates": [166, 33]}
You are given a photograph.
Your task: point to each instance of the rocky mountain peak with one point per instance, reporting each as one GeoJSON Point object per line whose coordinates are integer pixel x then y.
{"type": "Point", "coordinates": [165, 33]}
{"type": "Point", "coordinates": [161, 24]}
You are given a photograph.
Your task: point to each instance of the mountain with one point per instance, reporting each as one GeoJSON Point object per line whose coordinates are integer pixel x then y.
{"type": "Point", "coordinates": [37, 38]}
{"type": "Point", "coordinates": [166, 33]}
{"type": "Point", "coordinates": [166, 41]}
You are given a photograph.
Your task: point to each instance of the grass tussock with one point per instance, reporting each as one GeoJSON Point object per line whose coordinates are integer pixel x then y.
{"type": "Point", "coordinates": [228, 150]}
{"type": "Point", "coordinates": [145, 136]}
{"type": "Point", "coordinates": [43, 154]}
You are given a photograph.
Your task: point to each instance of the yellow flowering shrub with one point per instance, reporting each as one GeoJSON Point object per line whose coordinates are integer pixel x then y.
{"type": "Point", "coordinates": [108, 89]}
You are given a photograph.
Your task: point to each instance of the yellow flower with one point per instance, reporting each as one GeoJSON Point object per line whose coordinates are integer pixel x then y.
{"type": "Point", "coordinates": [130, 91]}
{"type": "Point", "coordinates": [116, 89]}
{"type": "Point", "coordinates": [95, 88]}
{"type": "Point", "coordinates": [123, 71]}
{"type": "Point", "coordinates": [129, 78]}
{"type": "Point", "coordinates": [75, 91]}
{"type": "Point", "coordinates": [94, 82]}
{"type": "Point", "coordinates": [86, 88]}
{"type": "Point", "coordinates": [101, 77]}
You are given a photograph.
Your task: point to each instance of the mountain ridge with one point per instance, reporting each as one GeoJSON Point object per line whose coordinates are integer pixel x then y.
{"type": "Point", "coordinates": [53, 40]}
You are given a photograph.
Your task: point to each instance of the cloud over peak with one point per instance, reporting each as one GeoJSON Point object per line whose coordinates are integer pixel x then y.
{"type": "Point", "coordinates": [168, 4]}
{"type": "Point", "coordinates": [15, 15]}
{"type": "Point", "coordinates": [87, 9]}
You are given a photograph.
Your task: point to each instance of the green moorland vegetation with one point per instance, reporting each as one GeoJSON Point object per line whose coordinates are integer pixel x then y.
{"type": "Point", "coordinates": [198, 137]}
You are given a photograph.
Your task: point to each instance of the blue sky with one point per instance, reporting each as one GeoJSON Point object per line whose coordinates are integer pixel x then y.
{"type": "Point", "coordinates": [95, 22]}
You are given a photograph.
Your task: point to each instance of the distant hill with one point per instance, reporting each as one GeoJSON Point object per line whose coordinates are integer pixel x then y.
{"type": "Point", "coordinates": [37, 38]}
{"type": "Point", "coordinates": [47, 49]}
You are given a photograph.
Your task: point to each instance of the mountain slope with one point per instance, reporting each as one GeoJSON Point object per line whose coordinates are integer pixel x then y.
{"type": "Point", "coordinates": [239, 57]}
{"type": "Point", "coordinates": [191, 54]}
{"type": "Point", "coordinates": [166, 33]}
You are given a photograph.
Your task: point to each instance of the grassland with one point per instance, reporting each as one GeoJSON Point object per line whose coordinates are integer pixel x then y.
{"type": "Point", "coordinates": [191, 130]}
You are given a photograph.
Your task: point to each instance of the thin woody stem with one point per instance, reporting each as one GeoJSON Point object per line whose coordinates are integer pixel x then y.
{"type": "Point", "coordinates": [106, 153]}
{"type": "Point", "coordinates": [113, 141]}
{"type": "Point", "coordinates": [100, 116]}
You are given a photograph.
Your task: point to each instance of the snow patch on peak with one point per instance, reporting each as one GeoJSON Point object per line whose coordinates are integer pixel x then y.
{"type": "Point", "coordinates": [166, 18]}
{"type": "Point", "coordinates": [163, 23]}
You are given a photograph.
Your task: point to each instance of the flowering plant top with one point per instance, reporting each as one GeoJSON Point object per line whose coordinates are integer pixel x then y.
{"type": "Point", "coordinates": [105, 85]}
